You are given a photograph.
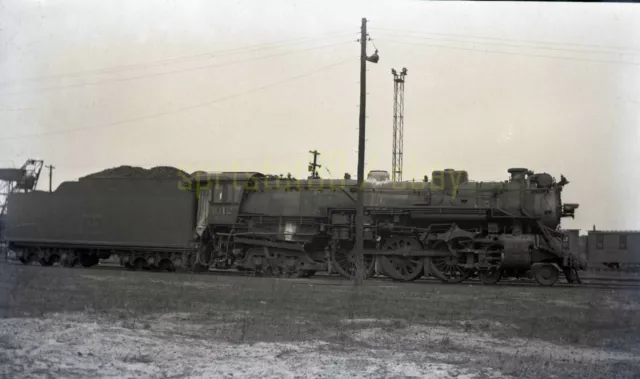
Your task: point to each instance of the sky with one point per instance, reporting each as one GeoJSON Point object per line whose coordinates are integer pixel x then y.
{"type": "Point", "coordinates": [254, 85]}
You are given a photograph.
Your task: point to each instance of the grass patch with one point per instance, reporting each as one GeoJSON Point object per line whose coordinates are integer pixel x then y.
{"type": "Point", "coordinates": [251, 309]}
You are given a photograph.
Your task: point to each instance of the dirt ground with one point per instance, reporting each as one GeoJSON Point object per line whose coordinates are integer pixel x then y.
{"type": "Point", "coordinates": [78, 323]}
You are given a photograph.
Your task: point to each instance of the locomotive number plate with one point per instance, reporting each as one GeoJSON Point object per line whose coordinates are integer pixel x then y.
{"type": "Point", "coordinates": [221, 210]}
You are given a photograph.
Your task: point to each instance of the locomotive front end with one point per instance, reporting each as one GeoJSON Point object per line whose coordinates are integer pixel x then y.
{"type": "Point", "coordinates": [555, 210]}
{"type": "Point", "coordinates": [546, 195]}
{"type": "Point", "coordinates": [567, 209]}
{"type": "Point", "coordinates": [541, 202]}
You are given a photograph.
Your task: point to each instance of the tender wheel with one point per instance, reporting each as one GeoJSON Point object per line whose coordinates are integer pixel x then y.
{"type": "Point", "coordinates": [46, 262]}
{"type": "Point", "coordinates": [50, 261]}
{"type": "Point", "coordinates": [401, 267]}
{"type": "Point", "coordinates": [546, 275]}
{"type": "Point", "coordinates": [166, 265]}
{"type": "Point", "coordinates": [26, 261]}
{"type": "Point", "coordinates": [491, 276]}
{"type": "Point", "coordinates": [54, 260]}
{"type": "Point", "coordinates": [89, 260]}
{"type": "Point", "coordinates": [344, 261]}
{"type": "Point", "coordinates": [446, 269]}
{"type": "Point", "coordinates": [139, 264]}
{"type": "Point", "coordinates": [68, 260]}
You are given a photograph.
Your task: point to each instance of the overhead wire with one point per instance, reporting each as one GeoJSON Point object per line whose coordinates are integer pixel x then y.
{"type": "Point", "coordinates": [503, 44]}
{"type": "Point", "coordinates": [180, 59]}
{"type": "Point", "coordinates": [513, 40]}
{"type": "Point", "coordinates": [178, 110]}
{"type": "Point", "coordinates": [511, 53]}
{"type": "Point", "coordinates": [171, 72]}
{"type": "Point", "coordinates": [15, 109]}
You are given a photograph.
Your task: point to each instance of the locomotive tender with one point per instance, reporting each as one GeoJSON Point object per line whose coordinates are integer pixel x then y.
{"type": "Point", "coordinates": [448, 227]}
{"type": "Point", "coordinates": [88, 220]}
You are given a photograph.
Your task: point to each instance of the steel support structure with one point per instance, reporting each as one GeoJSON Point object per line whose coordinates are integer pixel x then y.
{"type": "Point", "coordinates": [13, 180]}
{"type": "Point", "coordinates": [398, 124]}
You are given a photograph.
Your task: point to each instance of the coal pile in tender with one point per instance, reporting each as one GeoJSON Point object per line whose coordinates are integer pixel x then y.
{"type": "Point", "coordinates": [138, 172]}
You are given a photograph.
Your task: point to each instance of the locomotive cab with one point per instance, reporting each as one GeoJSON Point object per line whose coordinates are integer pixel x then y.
{"type": "Point", "coordinates": [220, 195]}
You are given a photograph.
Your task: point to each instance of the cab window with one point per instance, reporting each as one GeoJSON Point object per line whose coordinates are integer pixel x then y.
{"type": "Point", "coordinates": [218, 194]}
{"type": "Point", "coordinates": [237, 194]}
{"type": "Point", "coordinates": [233, 193]}
{"type": "Point", "coordinates": [227, 193]}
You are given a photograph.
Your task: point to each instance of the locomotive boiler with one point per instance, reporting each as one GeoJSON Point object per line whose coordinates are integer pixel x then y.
{"type": "Point", "coordinates": [449, 227]}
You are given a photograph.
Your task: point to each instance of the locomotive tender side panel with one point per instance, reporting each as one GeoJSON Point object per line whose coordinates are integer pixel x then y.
{"type": "Point", "coordinates": [111, 212]}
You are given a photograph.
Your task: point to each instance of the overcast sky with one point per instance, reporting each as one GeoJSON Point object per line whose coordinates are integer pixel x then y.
{"type": "Point", "coordinates": [87, 85]}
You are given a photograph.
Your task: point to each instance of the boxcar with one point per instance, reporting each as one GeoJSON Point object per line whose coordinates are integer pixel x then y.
{"type": "Point", "coordinates": [613, 248]}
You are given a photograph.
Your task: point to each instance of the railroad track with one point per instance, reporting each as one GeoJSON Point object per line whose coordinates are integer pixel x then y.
{"type": "Point", "coordinates": [322, 278]}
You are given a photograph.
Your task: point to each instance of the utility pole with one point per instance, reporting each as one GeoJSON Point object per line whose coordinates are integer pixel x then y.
{"type": "Point", "coordinates": [359, 248]}
{"type": "Point", "coordinates": [313, 167]}
{"type": "Point", "coordinates": [50, 167]}
{"type": "Point", "coordinates": [398, 123]}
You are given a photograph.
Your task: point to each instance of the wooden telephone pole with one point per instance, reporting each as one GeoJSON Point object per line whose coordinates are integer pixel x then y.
{"type": "Point", "coordinates": [50, 167]}
{"type": "Point", "coordinates": [359, 248]}
{"type": "Point", "coordinates": [313, 167]}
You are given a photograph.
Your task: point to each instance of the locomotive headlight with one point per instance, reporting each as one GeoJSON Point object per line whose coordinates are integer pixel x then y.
{"type": "Point", "coordinates": [568, 210]}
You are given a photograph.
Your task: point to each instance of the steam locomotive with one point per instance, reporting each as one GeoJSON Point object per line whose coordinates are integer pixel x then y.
{"type": "Point", "coordinates": [448, 227]}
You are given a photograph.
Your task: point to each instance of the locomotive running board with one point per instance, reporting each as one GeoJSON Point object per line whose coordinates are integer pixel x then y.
{"type": "Point", "coordinates": [449, 213]}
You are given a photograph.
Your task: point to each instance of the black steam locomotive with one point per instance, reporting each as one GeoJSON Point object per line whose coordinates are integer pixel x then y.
{"type": "Point", "coordinates": [449, 227]}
